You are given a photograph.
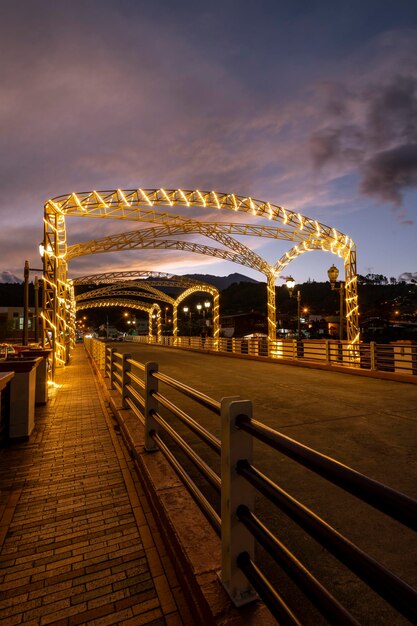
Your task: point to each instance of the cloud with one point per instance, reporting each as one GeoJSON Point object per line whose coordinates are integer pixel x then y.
{"type": "Point", "coordinates": [371, 127]}
{"type": "Point", "coordinates": [408, 277]}
{"type": "Point", "coordinates": [386, 174]}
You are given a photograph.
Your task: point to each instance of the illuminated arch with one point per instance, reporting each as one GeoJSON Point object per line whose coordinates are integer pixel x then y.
{"type": "Point", "coordinates": [153, 278]}
{"type": "Point", "coordinates": [139, 205]}
{"type": "Point", "coordinates": [127, 288]}
{"type": "Point", "coordinates": [115, 289]}
{"type": "Point", "coordinates": [131, 304]}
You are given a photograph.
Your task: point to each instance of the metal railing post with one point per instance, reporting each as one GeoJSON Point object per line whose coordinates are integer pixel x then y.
{"type": "Point", "coordinates": [236, 539]}
{"type": "Point", "coordinates": [151, 405]}
{"type": "Point", "coordinates": [372, 355]}
{"type": "Point", "coordinates": [106, 369]}
{"type": "Point", "coordinates": [125, 378]}
{"type": "Point", "coordinates": [102, 356]}
{"type": "Point", "coordinates": [111, 368]}
{"type": "Point", "coordinates": [327, 351]}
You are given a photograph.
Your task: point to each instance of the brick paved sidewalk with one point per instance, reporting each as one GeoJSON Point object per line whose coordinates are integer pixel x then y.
{"type": "Point", "coordinates": [78, 542]}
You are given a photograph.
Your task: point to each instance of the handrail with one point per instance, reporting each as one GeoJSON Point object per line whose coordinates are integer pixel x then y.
{"type": "Point", "coordinates": [398, 593]}
{"type": "Point", "coordinates": [211, 476]}
{"type": "Point", "coordinates": [134, 378]}
{"type": "Point", "coordinates": [395, 504]}
{"type": "Point", "coordinates": [238, 483]}
{"type": "Point", "coordinates": [268, 594]}
{"type": "Point", "coordinates": [136, 364]}
{"type": "Point", "coordinates": [313, 589]}
{"type": "Point", "coordinates": [199, 430]}
{"type": "Point", "coordinates": [206, 401]}
{"type": "Point", "coordinates": [202, 502]}
{"type": "Point", "coordinates": [397, 357]}
{"type": "Point", "coordinates": [135, 410]}
{"type": "Point", "coordinates": [136, 395]}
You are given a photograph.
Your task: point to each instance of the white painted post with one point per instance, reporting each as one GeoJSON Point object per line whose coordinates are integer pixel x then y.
{"type": "Point", "coordinates": [151, 386]}
{"type": "Point", "coordinates": [236, 445]}
{"type": "Point", "coordinates": [125, 378]}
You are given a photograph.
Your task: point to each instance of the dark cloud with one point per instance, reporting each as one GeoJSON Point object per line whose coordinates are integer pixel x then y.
{"type": "Point", "coordinates": [388, 173]}
{"type": "Point", "coordinates": [408, 277]}
{"type": "Point", "coordinates": [373, 129]}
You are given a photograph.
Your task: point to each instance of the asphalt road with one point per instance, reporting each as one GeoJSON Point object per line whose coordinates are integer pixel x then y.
{"type": "Point", "coordinates": [368, 424]}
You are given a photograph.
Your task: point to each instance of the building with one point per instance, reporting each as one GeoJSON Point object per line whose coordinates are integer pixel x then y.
{"type": "Point", "coordinates": [11, 321]}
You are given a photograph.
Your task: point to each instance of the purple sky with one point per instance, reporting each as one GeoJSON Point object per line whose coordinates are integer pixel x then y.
{"type": "Point", "coordinates": [312, 106]}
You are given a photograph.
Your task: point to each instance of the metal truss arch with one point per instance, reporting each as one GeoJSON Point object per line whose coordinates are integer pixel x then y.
{"type": "Point", "coordinates": [216, 312]}
{"type": "Point", "coordinates": [151, 309]}
{"type": "Point", "coordinates": [127, 288]}
{"type": "Point", "coordinates": [149, 238]}
{"type": "Point", "coordinates": [141, 205]}
{"type": "Point", "coordinates": [351, 290]}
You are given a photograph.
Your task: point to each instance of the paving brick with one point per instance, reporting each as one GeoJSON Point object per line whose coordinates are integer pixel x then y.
{"type": "Point", "coordinates": [75, 526]}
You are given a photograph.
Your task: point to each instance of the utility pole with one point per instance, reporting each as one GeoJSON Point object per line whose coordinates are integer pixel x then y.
{"type": "Point", "coordinates": [25, 338]}
{"type": "Point", "coordinates": [36, 320]}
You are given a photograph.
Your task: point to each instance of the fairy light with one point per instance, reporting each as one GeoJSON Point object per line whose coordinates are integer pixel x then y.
{"type": "Point", "coordinates": [180, 191]}
{"type": "Point", "coordinates": [300, 219]}
{"type": "Point", "coordinates": [216, 199]}
{"type": "Point", "coordinates": [145, 196]}
{"type": "Point", "coordinates": [200, 195]}
{"type": "Point", "coordinates": [122, 195]}
{"type": "Point", "coordinates": [100, 200]}
{"type": "Point", "coordinates": [164, 193]}
{"type": "Point", "coordinates": [252, 206]}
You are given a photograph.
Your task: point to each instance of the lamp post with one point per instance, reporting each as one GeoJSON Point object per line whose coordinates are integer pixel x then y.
{"type": "Point", "coordinates": [333, 273]}
{"type": "Point", "coordinates": [207, 305]}
{"type": "Point", "coordinates": [290, 282]}
{"type": "Point", "coordinates": [26, 272]}
{"type": "Point", "coordinates": [187, 310]}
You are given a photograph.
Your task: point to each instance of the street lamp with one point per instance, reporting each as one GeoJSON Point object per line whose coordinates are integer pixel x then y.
{"type": "Point", "coordinates": [27, 269]}
{"type": "Point", "coordinates": [187, 310]}
{"type": "Point", "coordinates": [290, 282]}
{"type": "Point", "coordinates": [333, 273]}
{"type": "Point", "coordinates": [207, 305]}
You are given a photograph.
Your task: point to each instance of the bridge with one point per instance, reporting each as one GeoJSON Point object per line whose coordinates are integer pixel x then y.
{"type": "Point", "coordinates": [189, 480]}
{"type": "Point", "coordinates": [53, 525]}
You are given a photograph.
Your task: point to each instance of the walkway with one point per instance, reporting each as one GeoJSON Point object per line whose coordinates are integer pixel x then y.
{"type": "Point", "coordinates": [78, 542]}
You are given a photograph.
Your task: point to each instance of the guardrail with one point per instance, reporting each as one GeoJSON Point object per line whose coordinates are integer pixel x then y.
{"type": "Point", "coordinates": [397, 357]}
{"type": "Point", "coordinates": [237, 525]}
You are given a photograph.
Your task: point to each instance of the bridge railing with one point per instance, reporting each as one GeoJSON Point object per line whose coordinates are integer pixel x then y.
{"type": "Point", "coordinates": [237, 524]}
{"type": "Point", "coordinates": [398, 357]}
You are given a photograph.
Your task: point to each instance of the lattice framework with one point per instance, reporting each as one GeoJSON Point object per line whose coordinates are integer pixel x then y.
{"type": "Point", "coordinates": [128, 288]}
{"type": "Point", "coordinates": [139, 205]}
{"type": "Point", "coordinates": [151, 309]}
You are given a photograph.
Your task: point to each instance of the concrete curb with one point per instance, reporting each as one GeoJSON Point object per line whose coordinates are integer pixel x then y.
{"type": "Point", "coordinates": [191, 542]}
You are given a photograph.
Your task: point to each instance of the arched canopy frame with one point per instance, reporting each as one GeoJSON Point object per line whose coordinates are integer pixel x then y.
{"type": "Point", "coordinates": [139, 205]}
{"type": "Point", "coordinates": [151, 309]}
{"type": "Point", "coordinates": [116, 289]}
